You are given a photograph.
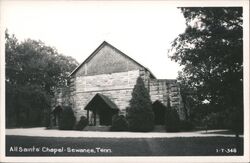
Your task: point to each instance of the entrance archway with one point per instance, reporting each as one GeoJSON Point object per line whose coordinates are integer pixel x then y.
{"type": "Point", "coordinates": [159, 111]}
{"type": "Point", "coordinates": [56, 116]}
{"type": "Point", "coordinates": [100, 110]}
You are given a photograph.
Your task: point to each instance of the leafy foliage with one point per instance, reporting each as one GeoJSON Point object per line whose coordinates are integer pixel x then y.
{"type": "Point", "coordinates": [213, 120]}
{"type": "Point", "coordinates": [119, 123]}
{"type": "Point", "coordinates": [140, 114]}
{"type": "Point", "coordinates": [67, 120]}
{"type": "Point", "coordinates": [211, 53]}
{"type": "Point", "coordinates": [31, 62]}
{"type": "Point", "coordinates": [82, 123]}
{"type": "Point", "coordinates": [26, 106]}
{"type": "Point", "coordinates": [235, 120]}
{"type": "Point", "coordinates": [186, 125]}
{"type": "Point", "coordinates": [33, 71]}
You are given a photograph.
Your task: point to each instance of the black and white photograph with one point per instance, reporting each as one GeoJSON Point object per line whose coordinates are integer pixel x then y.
{"type": "Point", "coordinates": [124, 81]}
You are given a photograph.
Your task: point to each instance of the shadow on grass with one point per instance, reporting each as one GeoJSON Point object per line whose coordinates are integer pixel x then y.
{"type": "Point", "coordinates": [180, 146]}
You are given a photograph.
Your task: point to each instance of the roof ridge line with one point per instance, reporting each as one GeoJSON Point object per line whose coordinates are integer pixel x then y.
{"type": "Point", "coordinates": [99, 47]}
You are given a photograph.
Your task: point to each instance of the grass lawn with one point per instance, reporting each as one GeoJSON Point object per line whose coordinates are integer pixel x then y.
{"type": "Point", "coordinates": [185, 146]}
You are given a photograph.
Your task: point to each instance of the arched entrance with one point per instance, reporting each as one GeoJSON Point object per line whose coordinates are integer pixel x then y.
{"type": "Point", "coordinates": [100, 110]}
{"type": "Point", "coordinates": [159, 111]}
{"type": "Point", "coordinates": [56, 116]}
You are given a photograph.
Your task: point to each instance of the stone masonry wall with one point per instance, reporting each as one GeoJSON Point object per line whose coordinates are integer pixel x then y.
{"type": "Point", "coordinates": [62, 97]}
{"type": "Point", "coordinates": [116, 86]}
{"type": "Point", "coordinates": [110, 72]}
{"type": "Point", "coordinates": [161, 90]}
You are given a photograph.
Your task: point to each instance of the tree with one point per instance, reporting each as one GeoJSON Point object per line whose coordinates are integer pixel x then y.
{"type": "Point", "coordinates": [140, 113]}
{"type": "Point", "coordinates": [67, 120]}
{"type": "Point", "coordinates": [33, 71]}
{"type": "Point", "coordinates": [211, 52]}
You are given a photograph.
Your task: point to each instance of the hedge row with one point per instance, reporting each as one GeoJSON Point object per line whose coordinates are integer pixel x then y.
{"type": "Point", "coordinates": [120, 122]}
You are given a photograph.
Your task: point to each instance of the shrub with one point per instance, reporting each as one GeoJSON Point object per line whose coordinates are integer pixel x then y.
{"type": "Point", "coordinates": [215, 120]}
{"type": "Point", "coordinates": [82, 123]}
{"type": "Point", "coordinates": [209, 121]}
{"type": "Point", "coordinates": [46, 119]}
{"type": "Point", "coordinates": [140, 114]}
{"type": "Point", "coordinates": [67, 120]}
{"type": "Point", "coordinates": [119, 123]}
{"type": "Point", "coordinates": [186, 125]}
{"type": "Point", "coordinates": [172, 121]}
{"type": "Point", "coordinates": [237, 121]}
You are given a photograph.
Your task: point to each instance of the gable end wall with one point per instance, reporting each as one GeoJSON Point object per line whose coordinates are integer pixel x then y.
{"type": "Point", "coordinates": [106, 61]}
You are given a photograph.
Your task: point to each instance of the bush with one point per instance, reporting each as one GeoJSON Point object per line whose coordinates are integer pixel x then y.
{"type": "Point", "coordinates": [215, 120]}
{"type": "Point", "coordinates": [82, 123]}
{"type": "Point", "coordinates": [119, 123]}
{"type": "Point", "coordinates": [67, 120]}
{"type": "Point", "coordinates": [172, 121]}
{"type": "Point", "coordinates": [186, 125]}
{"type": "Point", "coordinates": [235, 120]}
{"type": "Point", "coordinates": [46, 119]}
{"type": "Point", "coordinates": [140, 114]}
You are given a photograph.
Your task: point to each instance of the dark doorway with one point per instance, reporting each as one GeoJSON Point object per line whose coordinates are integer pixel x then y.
{"type": "Point", "coordinates": [159, 110]}
{"type": "Point", "coordinates": [100, 110]}
{"type": "Point", "coordinates": [56, 116]}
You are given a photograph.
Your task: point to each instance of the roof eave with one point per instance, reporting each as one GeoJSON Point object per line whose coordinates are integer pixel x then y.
{"type": "Point", "coordinates": [90, 56]}
{"type": "Point", "coordinates": [98, 48]}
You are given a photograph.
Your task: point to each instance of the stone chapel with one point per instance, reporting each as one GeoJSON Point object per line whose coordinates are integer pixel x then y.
{"type": "Point", "coordinates": [101, 86]}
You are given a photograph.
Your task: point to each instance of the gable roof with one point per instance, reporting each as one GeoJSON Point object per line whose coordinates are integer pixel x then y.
{"type": "Point", "coordinates": [104, 43]}
{"type": "Point", "coordinates": [102, 97]}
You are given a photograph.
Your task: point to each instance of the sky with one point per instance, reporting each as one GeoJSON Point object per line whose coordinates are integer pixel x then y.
{"type": "Point", "coordinates": [142, 30]}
